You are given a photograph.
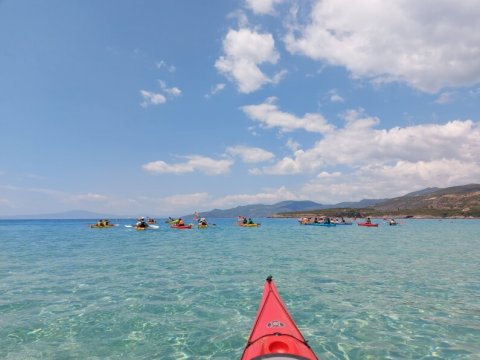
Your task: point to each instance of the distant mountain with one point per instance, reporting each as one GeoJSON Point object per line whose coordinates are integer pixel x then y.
{"type": "Point", "coordinates": [357, 204]}
{"type": "Point", "coordinates": [451, 198]}
{"type": "Point", "coordinates": [73, 214]}
{"type": "Point", "coordinates": [261, 210]}
{"type": "Point", "coordinates": [423, 192]}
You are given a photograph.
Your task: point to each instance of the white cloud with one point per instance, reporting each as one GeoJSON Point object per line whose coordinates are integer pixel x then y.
{"type": "Point", "coordinates": [250, 154]}
{"type": "Point", "coordinates": [151, 98]}
{"type": "Point", "coordinates": [445, 98]}
{"type": "Point", "coordinates": [245, 50]}
{"type": "Point", "coordinates": [293, 145]}
{"type": "Point", "coordinates": [334, 96]}
{"type": "Point", "coordinates": [397, 40]}
{"type": "Point", "coordinates": [360, 143]}
{"type": "Point", "coordinates": [269, 196]}
{"type": "Point", "coordinates": [263, 7]}
{"type": "Point", "coordinates": [387, 181]}
{"type": "Point", "coordinates": [87, 197]}
{"type": "Point", "coordinates": [215, 90]}
{"type": "Point", "coordinates": [162, 64]}
{"type": "Point", "coordinates": [203, 164]}
{"type": "Point", "coordinates": [173, 91]}
{"type": "Point", "coordinates": [270, 116]}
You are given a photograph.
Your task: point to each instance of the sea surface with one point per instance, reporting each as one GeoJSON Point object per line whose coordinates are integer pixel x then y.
{"type": "Point", "coordinates": [68, 291]}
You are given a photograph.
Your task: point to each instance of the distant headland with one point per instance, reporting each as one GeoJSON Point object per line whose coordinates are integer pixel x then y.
{"type": "Point", "coordinates": [452, 202]}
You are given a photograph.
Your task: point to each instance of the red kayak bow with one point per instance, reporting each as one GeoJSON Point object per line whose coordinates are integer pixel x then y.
{"type": "Point", "coordinates": [274, 334]}
{"type": "Point", "coordinates": [368, 224]}
{"type": "Point", "coordinates": [175, 226]}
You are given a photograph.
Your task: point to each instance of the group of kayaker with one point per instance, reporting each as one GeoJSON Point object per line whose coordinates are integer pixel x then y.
{"type": "Point", "coordinates": [327, 221]}
{"type": "Point", "coordinates": [319, 220]}
{"type": "Point", "coordinates": [243, 221]}
{"type": "Point", "coordinates": [102, 223]}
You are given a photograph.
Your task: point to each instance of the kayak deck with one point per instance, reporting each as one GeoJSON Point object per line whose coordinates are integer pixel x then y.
{"type": "Point", "coordinates": [274, 334]}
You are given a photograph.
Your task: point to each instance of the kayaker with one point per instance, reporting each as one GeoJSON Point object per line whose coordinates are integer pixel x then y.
{"type": "Point", "coordinates": [141, 223]}
{"type": "Point", "coordinates": [245, 221]}
{"type": "Point", "coordinates": [369, 221]}
{"type": "Point", "coordinates": [180, 222]}
{"type": "Point", "coordinates": [250, 221]}
{"type": "Point", "coordinates": [203, 221]}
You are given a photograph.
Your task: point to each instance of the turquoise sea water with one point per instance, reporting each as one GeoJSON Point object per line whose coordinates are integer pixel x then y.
{"type": "Point", "coordinates": [71, 292]}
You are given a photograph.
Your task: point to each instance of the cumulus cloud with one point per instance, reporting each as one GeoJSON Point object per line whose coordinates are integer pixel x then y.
{"type": "Point", "coordinates": [250, 154]}
{"type": "Point", "coordinates": [151, 98]}
{"type": "Point", "coordinates": [202, 164]}
{"type": "Point", "coordinates": [429, 45]}
{"type": "Point", "coordinates": [386, 181]}
{"type": "Point", "coordinates": [359, 143]}
{"type": "Point", "coordinates": [268, 115]}
{"type": "Point", "coordinates": [263, 7]}
{"type": "Point", "coordinates": [245, 50]}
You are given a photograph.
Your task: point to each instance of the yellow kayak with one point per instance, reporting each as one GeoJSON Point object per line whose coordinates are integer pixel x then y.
{"type": "Point", "coordinates": [101, 226]}
{"type": "Point", "coordinates": [249, 225]}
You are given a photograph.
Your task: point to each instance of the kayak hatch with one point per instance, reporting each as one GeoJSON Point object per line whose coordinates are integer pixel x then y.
{"type": "Point", "coordinates": [274, 334]}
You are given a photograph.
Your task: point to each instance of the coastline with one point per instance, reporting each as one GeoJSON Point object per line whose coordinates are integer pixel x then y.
{"type": "Point", "coordinates": [388, 216]}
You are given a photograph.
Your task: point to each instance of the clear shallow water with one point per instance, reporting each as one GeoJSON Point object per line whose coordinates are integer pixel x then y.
{"type": "Point", "coordinates": [71, 292]}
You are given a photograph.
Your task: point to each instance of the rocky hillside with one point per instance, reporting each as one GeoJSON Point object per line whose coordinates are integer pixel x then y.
{"type": "Point", "coordinates": [464, 198]}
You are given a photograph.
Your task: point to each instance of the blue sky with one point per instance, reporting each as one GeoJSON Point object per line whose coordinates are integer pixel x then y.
{"type": "Point", "coordinates": [168, 107]}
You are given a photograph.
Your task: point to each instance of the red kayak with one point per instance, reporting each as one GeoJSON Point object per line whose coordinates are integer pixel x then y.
{"type": "Point", "coordinates": [274, 334]}
{"type": "Point", "coordinates": [174, 226]}
{"type": "Point", "coordinates": [367, 224]}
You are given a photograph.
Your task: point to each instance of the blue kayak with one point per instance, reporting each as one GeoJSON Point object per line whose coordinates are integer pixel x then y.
{"type": "Point", "coordinates": [321, 224]}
